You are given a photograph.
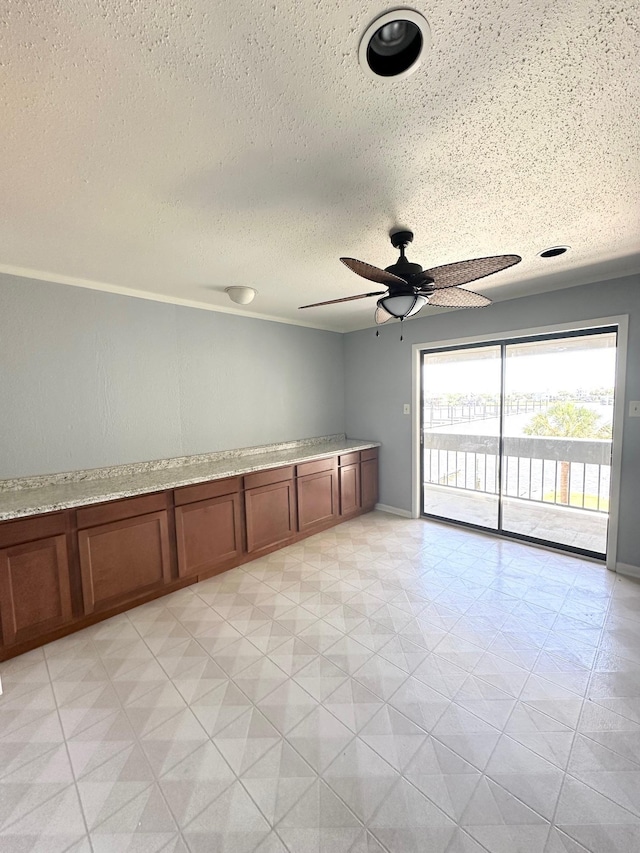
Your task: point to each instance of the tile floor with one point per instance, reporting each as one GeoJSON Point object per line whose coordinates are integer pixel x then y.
{"type": "Point", "coordinates": [389, 685]}
{"type": "Point", "coordinates": [571, 526]}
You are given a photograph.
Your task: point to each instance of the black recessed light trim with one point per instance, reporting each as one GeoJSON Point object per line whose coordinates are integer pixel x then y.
{"type": "Point", "coordinates": [393, 60]}
{"type": "Point", "coordinates": [553, 252]}
{"type": "Point", "coordinates": [394, 44]}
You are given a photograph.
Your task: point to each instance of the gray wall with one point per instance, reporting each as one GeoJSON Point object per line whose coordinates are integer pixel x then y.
{"type": "Point", "coordinates": [90, 379]}
{"type": "Point", "coordinates": [378, 381]}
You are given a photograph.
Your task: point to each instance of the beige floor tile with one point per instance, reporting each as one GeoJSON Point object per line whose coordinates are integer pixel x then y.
{"type": "Point", "coordinates": [387, 686]}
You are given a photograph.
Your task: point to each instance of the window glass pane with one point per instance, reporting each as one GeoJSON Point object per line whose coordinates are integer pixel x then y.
{"type": "Point", "coordinates": [461, 426]}
{"type": "Point", "coordinates": [557, 439]}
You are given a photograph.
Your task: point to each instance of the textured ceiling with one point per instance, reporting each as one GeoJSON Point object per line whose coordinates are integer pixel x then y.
{"type": "Point", "coordinates": [177, 147]}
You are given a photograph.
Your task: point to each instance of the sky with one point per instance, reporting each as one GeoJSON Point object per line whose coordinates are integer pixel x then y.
{"type": "Point", "coordinates": [547, 372]}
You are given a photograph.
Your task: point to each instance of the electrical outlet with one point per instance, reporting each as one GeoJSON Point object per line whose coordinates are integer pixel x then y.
{"type": "Point", "coordinates": [406, 409]}
{"type": "Point", "coordinates": [634, 409]}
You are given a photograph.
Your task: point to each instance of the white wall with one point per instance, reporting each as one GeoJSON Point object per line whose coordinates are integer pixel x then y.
{"type": "Point", "coordinates": [378, 381]}
{"type": "Point", "coordinates": [90, 379]}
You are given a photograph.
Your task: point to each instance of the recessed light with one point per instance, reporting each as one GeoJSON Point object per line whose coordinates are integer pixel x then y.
{"type": "Point", "coordinates": [553, 252]}
{"type": "Point", "coordinates": [394, 45]}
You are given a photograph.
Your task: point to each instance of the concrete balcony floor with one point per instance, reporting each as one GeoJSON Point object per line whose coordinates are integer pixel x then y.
{"type": "Point", "coordinates": [562, 525]}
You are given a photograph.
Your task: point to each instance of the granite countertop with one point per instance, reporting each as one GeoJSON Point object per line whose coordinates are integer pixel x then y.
{"type": "Point", "coordinates": [35, 495]}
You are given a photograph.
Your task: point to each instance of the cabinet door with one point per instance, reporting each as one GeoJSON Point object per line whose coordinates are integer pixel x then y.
{"type": "Point", "coordinates": [209, 534]}
{"type": "Point", "coordinates": [34, 589]}
{"type": "Point", "coordinates": [270, 514]}
{"type": "Point", "coordinates": [369, 483]}
{"type": "Point", "coordinates": [349, 489]}
{"type": "Point", "coordinates": [317, 499]}
{"type": "Point", "coordinates": [124, 559]}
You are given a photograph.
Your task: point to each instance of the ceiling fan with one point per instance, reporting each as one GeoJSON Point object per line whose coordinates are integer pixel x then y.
{"type": "Point", "coordinates": [410, 288]}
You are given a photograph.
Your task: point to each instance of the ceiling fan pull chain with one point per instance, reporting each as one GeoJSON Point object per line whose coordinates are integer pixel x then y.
{"type": "Point", "coordinates": [401, 335]}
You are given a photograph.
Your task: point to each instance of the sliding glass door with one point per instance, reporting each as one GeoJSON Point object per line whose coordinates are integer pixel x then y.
{"type": "Point", "coordinates": [516, 437]}
{"type": "Point", "coordinates": [461, 402]}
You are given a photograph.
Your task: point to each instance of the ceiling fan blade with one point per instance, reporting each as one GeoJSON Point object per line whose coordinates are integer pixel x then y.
{"type": "Point", "coordinates": [455, 297]}
{"type": "Point", "coordinates": [371, 272]}
{"type": "Point", "coordinates": [462, 272]}
{"type": "Point", "coordinates": [344, 299]}
{"type": "Point", "coordinates": [382, 316]}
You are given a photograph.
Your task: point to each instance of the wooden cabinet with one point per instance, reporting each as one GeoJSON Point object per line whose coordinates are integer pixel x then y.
{"type": "Point", "coordinates": [124, 559]}
{"type": "Point", "coordinates": [317, 494]}
{"type": "Point", "coordinates": [358, 482]}
{"type": "Point", "coordinates": [209, 533]}
{"type": "Point", "coordinates": [270, 509]}
{"type": "Point", "coordinates": [369, 478]}
{"type": "Point", "coordinates": [349, 489]}
{"type": "Point", "coordinates": [35, 595]}
{"type": "Point", "coordinates": [61, 571]}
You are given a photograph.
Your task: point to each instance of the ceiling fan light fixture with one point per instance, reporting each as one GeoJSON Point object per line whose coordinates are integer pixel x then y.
{"type": "Point", "coordinates": [241, 295]}
{"type": "Point", "coordinates": [394, 44]}
{"type": "Point", "coordinates": [402, 306]}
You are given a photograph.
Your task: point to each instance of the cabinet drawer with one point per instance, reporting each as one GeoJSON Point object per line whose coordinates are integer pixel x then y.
{"type": "Point", "coordinates": [317, 466]}
{"type": "Point", "coordinates": [266, 478]}
{"type": "Point", "coordinates": [29, 529]}
{"type": "Point", "coordinates": [350, 458]}
{"type": "Point", "coordinates": [204, 491]}
{"type": "Point", "coordinates": [371, 453]}
{"type": "Point", "coordinates": [115, 510]}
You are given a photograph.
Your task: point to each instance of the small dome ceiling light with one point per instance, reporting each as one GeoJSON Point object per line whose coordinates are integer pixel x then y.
{"type": "Point", "coordinates": [553, 252]}
{"type": "Point", "coordinates": [402, 306]}
{"type": "Point", "coordinates": [394, 45]}
{"type": "Point", "coordinates": [241, 295]}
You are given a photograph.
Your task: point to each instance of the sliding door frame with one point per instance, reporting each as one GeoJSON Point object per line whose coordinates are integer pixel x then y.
{"type": "Point", "coordinates": [498, 336]}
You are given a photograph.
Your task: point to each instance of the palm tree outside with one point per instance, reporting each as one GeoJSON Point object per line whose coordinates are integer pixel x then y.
{"type": "Point", "coordinates": [567, 420]}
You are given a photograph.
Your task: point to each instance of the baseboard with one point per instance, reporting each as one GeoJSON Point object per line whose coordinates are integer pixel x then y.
{"type": "Point", "coordinates": [394, 510]}
{"type": "Point", "coordinates": [626, 569]}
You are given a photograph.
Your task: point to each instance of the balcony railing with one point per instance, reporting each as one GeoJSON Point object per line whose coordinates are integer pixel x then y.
{"type": "Point", "coordinates": [563, 471]}
{"type": "Point", "coordinates": [442, 414]}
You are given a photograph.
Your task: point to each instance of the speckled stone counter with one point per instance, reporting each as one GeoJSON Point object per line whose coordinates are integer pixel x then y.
{"type": "Point", "coordinates": [48, 493]}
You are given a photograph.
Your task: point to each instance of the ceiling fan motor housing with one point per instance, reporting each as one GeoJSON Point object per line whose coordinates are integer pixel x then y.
{"type": "Point", "coordinates": [402, 267]}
